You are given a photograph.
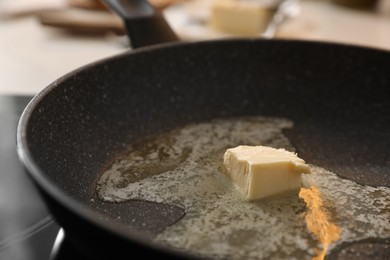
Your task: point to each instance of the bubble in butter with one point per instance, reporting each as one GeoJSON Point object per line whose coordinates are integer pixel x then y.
{"type": "Point", "coordinates": [183, 168]}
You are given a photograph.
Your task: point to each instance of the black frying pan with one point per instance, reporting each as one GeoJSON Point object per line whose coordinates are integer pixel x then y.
{"type": "Point", "coordinates": [336, 95]}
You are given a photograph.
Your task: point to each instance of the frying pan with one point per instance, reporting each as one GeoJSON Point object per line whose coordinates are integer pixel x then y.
{"type": "Point", "coordinates": [336, 95]}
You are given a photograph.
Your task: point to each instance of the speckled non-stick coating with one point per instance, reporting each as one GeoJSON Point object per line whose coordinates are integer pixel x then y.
{"type": "Point", "coordinates": [337, 96]}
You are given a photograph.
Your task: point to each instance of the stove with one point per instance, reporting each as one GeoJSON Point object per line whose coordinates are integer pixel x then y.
{"type": "Point", "coordinates": [27, 229]}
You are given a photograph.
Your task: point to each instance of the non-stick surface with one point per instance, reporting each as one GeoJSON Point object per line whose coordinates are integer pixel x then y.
{"type": "Point", "coordinates": [336, 96]}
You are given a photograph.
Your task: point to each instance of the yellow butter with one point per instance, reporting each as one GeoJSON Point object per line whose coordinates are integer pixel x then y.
{"type": "Point", "coordinates": [240, 17]}
{"type": "Point", "coordinates": [261, 171]}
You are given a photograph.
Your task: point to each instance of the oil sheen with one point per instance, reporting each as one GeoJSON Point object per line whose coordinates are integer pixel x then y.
{"type": "Point", "coordinates": [184, 167]}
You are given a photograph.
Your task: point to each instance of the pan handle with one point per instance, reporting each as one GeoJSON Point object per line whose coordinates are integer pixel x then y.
{"type": "Point", "coordinates": [145, 25]}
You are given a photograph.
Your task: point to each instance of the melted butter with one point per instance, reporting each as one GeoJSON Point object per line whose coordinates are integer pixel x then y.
{"type": "Point", "coordinates": [184, 168]}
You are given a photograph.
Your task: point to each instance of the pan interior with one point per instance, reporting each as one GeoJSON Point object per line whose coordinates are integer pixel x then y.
{"type": "Point", "coordinates": [335, 96]}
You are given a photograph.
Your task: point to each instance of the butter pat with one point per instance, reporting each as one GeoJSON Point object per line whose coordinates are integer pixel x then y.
{"type": "Point", "coordinates": [241, 17]}
{"type": "Point", "coordinates": [261, 171]}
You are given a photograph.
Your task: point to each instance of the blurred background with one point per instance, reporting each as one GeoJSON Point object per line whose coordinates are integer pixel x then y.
{"type": "Point", "coordinates": [41, 40]}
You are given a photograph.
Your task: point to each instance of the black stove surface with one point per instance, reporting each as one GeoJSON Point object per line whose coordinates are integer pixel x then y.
{"type": "Point", "coordinates": [27, 230]}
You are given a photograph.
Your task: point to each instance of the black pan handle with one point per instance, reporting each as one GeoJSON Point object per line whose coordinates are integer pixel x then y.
{"type": "Point", "coordinates": [145, 25]}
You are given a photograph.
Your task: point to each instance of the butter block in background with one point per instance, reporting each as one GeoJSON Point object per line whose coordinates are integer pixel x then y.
{"type": "Point", "coordinates": [261, 171]}
{"type": "Point", "coordinates": [242, 17]}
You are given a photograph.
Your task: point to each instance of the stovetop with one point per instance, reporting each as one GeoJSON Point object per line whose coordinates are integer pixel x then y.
{"type": "Point", "coordinates": [27, 230]}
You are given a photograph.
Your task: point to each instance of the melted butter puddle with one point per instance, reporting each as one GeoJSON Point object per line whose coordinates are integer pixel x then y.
{"type": "Point", "coordinates": [183, 168]}
{"type": "Point", "coordinates": [318, 220]}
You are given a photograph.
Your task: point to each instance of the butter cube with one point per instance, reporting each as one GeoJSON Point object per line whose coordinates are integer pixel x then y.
{"type": "Point", "coordinates": [261, 171]}
{"type": "Point", "coordinates": [240, 17]}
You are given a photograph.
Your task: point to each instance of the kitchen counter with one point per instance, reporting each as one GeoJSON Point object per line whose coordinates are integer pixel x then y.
{"type": "Point", "coordinates": [323, 20]}
{"type": "Point", "coordinates": [32, 55]}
